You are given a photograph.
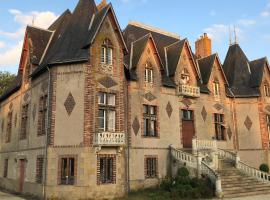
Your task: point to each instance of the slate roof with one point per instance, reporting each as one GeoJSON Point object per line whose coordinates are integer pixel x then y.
{"type": "Point", "coordinates": [257, 67]}
{"type": "Point", "coordinates": [39, 39]}
{"type": "Point", "coordinates": [206, 65]}
{"type": "Point", "coordinates": [173, 56]}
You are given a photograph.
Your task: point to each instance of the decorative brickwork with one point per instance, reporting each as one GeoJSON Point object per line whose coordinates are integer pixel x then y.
{"type": "Point", "coordinates": [107, 82]}
{"type": "Point", "coordinates": [218, 107]}
{"type": "Point", "coordinates": [204, 113]}
{"type": "Point", "coordinates": [69, 103]}
{"type": "Point", "coordinates": [186, 102]}
{"type": "Point", "coordinates": [149, 96]}
{"type": "Point", "coordinates": [248, 123]}
{"type": "Point", "coordinates": [169, 109]}
{"type": "Point", "coordinates": [106, 169]}
{"type": "Point", "coordinates": [136, 126]}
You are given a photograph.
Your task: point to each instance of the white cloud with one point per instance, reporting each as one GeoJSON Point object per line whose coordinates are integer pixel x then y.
{"type": "Point", "coordinates": [221, 32]}
{"type": "Point", "coordinates": [2, 44]}
{"type": "Point", "coordinates": [246, 22]}
{"type": "Point", "coordinates": [12, 56]}
{"type": "Point", "coordinates": [213, 13]}
{"type": "Point", "coordinates": [265, 14]}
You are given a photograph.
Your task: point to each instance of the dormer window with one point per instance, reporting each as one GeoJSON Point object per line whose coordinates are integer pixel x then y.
{"type": "Point", "coordinates": [148, 73]}
{"type": "Point", "coordinates": [266, 90]}
{"type": "Point", "coordinates": [107, 52]}
{"type": "Point", "coordinates": [184, 77]}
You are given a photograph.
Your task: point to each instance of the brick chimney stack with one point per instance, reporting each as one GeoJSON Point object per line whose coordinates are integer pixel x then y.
{"type": "Point", "coordinates": [203, 46]}
{"type": "Point", "coordinates": [102, 4]}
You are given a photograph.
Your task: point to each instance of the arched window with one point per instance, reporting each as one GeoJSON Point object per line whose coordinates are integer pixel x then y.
{"type": "Point", "coordinates": [266, 89]}
{"type": "Point", "coordinates": [216, 88]}
{"type": "Point", "coordinates": [107, 52]}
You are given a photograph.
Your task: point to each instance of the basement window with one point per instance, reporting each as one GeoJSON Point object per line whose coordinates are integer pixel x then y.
{"type": "Point", "coordinates": [67, 167]}
{"type": "Point", "coordinates": [150, 167]}
{"type": "Point", "coordinates": [106, 169]}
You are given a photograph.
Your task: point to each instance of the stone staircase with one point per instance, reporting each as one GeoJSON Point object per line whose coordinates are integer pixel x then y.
{"type": "Point", "coordinates": [236, 184]}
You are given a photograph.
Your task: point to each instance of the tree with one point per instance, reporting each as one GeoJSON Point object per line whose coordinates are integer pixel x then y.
{"type": "Point", "coordinates": [6, 79]}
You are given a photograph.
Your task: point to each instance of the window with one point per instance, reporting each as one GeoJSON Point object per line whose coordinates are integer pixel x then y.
{"type": "Point", "coordinates": [150, 121]}
{"type": "Point", "coordinates": [106, 112]}
{"type": "Point", "coordinates": [39, 169]}
{"type": "Point", "coordinates": [67, 171]}
{"type": "Point", "coordinates": [187, 114]}
{"type": "Point", "coordinates": [5, 168]}
{"type": "Point", "coordinates": [148, 75]}
{"type": "Point", "coordinates": [266, 90]}
{"type": "Point", "coordinates": [9, 127]}
{"type": "Point", "coordinates": [106, 52]}
{"type": "Point", "coordinates": [151, 167]}
{"type": "Point", "coordinates": [268, 123]}
{"type": "Point", "coordinates": [42, 115]}
{"type": "Point", "coordinates": [219, 126]}
{"type": "Point", "coordinates": [106, 169]}
{"type": "Point", "coordinates": [24, 122]}
{"type": "Point", "coordinates": [216, 89]}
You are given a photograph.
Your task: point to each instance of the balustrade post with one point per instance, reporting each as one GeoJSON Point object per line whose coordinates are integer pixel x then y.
{"type": "Point", "coordinates": [199, 165]}
{"type": "Point", "coordinates": [218, 187]}
{"type": "Point", "coordinates": [194, 145]}
{"type": "Point", "coordinates": [237, 159]}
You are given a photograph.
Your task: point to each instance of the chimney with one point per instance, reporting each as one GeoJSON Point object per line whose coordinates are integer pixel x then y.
{"type": "Point", "coordinates": [203, 46]}
{"type": "Point", "coordinates": [102, 4]}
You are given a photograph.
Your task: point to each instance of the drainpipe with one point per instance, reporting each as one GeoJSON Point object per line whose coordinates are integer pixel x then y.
{"type": "Point", "coordinates": [46, 136]}
{"type": "Point", "coordinates": [127, 140]}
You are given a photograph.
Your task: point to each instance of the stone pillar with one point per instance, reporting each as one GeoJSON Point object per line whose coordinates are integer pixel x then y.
{"type": "Point", "coordinates": [218, 187]}
{"type": "Point", "coordinates": [237, 159]}
{"type": "Point", "coordinates": [199, 165]}
{"type": "Point", "coordinates": [194, 145]}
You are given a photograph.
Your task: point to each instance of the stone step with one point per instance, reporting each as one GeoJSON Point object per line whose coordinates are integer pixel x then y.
{"type": "Point", "coordinates": [240, 184]}
{"type": "Point", "coordinates": [235, 182]}
{"type": "Point", "coordinates": [236, 177]}
{"type": "Point", "coordinates": [245, 193]}
{"type": "Point", "coordinates": [246, 188]}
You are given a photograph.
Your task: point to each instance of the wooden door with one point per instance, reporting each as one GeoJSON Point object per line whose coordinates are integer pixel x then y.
{"type": "Point", "coordinates": [21, 174]}
{"type": "Point", "coordinates": [188, 130]}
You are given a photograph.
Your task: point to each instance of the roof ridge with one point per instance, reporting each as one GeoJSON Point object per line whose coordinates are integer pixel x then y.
{"type": "Point", "coordinates": [154, 29]}
{"type": "Point", "coordinates": [170, 45]}
{"type": "Point", "coordinates": [36, 27]}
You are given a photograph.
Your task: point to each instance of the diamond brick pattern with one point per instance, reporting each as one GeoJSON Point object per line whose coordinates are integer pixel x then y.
{"type": "Point", "coordinates": [169, 109]}
{"type": "Point", "coordinates": [204, 113]}
{"type": "Point", "coordinates": [217, 106]}
{"type": "Point", "coordinates": [149, 96]}
{"type": "Point", "coordinates": [69, 104]}
{"type": "Point", "coordinates": [229, 133]}
{"type": "Point", "coordinates": [107, 82]}
{"type": "Point", "coordinates": [248, 123]}
{"type": "Point", "coordinates": [136, 126]}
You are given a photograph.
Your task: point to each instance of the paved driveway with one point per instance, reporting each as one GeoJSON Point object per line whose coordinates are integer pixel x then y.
{"type": "Point", "coordinates": [6, 196]}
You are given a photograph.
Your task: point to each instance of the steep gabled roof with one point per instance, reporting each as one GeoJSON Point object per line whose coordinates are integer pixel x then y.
{"type": "Point", "coordinates": [173, 53]}
{"type": "Point", "coordinates": [60, 20]}
{"type": "Point", "coordinates": [257, 67]}
{"type": "Point", "coordinates": [133, 32]}
{"type": "Point", "coordinates": [206, 65]}
{"type": "Point", "coordinates": [39, 39]}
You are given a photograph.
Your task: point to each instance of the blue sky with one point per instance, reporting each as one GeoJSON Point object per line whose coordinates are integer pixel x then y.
{"type": "Point", "coordinates": [189, 19]}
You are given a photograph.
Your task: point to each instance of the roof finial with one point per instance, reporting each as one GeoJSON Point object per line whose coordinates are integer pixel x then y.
{"type": "Point", "coordinates": [230, 39]}
{"type": "Point", "coordinates": [235, 36]}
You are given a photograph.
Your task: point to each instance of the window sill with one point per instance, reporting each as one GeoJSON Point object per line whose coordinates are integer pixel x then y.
{"type": "Point", "coordinates": [152, 177]}
{"type": "Point", "coordinates": [151, 137]}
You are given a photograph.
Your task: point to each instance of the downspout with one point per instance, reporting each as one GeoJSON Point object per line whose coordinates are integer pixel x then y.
{"type": "Point", "coordinates": [128, 137]}
{"type": "Point", "coordinates": [46, 136]}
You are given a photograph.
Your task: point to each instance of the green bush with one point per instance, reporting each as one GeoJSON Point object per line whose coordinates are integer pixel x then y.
{"type": "Point", "coordinates": [183, 172]}
{"type": "Point", "coordinates": [165, 185]}
{"type": "Point", "coordinates": [264, 168]}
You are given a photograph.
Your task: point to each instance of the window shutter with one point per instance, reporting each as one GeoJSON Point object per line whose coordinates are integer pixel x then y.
{"type": "Point", "coordinates": [103, 52]}
{"type": "Point", "coordinates": [109, 56]}
{"type": "Point", "coordinates": [146, 75]}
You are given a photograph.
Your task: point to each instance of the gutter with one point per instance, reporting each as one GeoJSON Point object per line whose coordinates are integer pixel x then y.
{"type": "Point", "coordinates": [46, 135]}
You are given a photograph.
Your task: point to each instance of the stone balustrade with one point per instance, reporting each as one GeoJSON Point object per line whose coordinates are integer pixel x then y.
{"type": "Point", "coordinates": [109, 139]}
{"type": "Point", "coordinates": [188, 90]}
{"type": "Point", "coordinates": [198, 144]}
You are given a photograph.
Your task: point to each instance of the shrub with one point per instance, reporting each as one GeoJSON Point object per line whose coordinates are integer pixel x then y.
{"type": "Point", "coordinates": [264, 168]}
{"type": "Point", "coordinates": [183, 172]}
{"type": "Point", "coordinates": [166, 185]}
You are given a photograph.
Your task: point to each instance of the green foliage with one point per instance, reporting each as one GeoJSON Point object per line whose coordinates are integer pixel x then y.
{"type": "Point", "coordinates": [183, 172]}
{"type": "Point", "coordinates": [264, 168]}
{"type": "Point", "coordinates": [6, 79]}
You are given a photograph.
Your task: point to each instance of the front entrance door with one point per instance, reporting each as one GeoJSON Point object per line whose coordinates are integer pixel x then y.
{"type": "Point", "coordinates": [188, 130]}
{"type": "Point", "coordinates": [21, 174]}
